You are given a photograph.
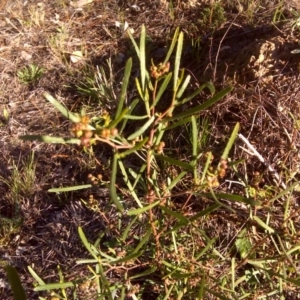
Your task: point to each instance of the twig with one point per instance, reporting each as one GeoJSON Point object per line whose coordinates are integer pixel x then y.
{"type": "Point", "coordinates": [270, 168]}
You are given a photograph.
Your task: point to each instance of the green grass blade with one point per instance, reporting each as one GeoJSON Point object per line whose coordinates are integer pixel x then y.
{"type": "Point", "coordinates": [121, 116]}
{"type": "Point", "coordinates": [143, 57]}
{"type": "Point", "coordinates": [178, 123]}
{"type": "Point", "coordinates": [132, 106]}
{"type": "Point", "coordinates": [161, 90]}
{"type": "Point", "coordinates": [126, 258]}
{"type": "Point", "coordinates": [209, 85]}
{"type": "Point", "coordinates": [112, 184]}
{"type": "Point", "coordinates": [285, 192]}
{"type": "Point", "coordinates": [141, 130]}
{"type": "Point", "coordinates": [138, 211]}
{"type": "Point", "coordinates": [263, 224]}
{"type": "Point", "coordinates": [172, 46]}
{"type": "Point", "coordinates": [176, 180]}
{"type": "Point", "coordinates": [204, 212]}
{"type": "Point", "coordinates": [127, 229]}
{"type": "Point", "coordinates": [206, 167]}
{"type": "Point", "coordinates": [144, 273]}
{"type": "Point", "coordinates": [177, 61]}
{"type": "Point", "coordinates": [70, 188]}
{"type": "Point", "coordinates": [136, 147]}
{"type": "Point", "coordinates": [175, 162]}
{"type": "Point", "coordinates": [143, 241]}
{"type": "Point", "coordinates": [38, 279]}
{"type": "Point", "coordinates": [201, 287]}
{"type": "Point", "coordinates": [124, 87]}
{"type": "Point", "coordinates": [182, 219]}
{"type": "Point", "coordinates": [194, 138]}
{"type": "Point", "coordinates": [231, 141]}
{"type": "Point", "coordinates": [129, 185]}
{"type": "Point", "coordinates": [232, 198]}
{"type": "Point", "coordinates": [197, 109]}
{"type": "Point", "coordinates": [63, 110]}
{"type": "Point", "coordinates": [86, 243]}
{"type": "Point", "coordinates": [206, 248]}
{"type": "Point", "coordinates": [135, 45]}
{"type": "Point", "coordinates": [133, 117]}
{"type": "Point", "coordinates": [15, 283]}
{"type": "Point", "coordinates": [183, 87]}
{"type": "Point", "coordinates": [54, 286]}
{"type": "Point", "coordinates": [49, 139]}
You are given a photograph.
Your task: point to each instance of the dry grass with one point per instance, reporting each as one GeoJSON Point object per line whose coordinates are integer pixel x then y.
{"type": "Point", "coordinates": [226, 44]}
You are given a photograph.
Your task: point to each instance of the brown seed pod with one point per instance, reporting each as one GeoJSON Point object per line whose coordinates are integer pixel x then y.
{"type": "Point", "coordinates": [114, 131]}
{"type": "Point", "coordinates": [88, 134]}
{"type": "Point", "coordinates": [85, 120]}
{"type": "Point", "coordinates": [85, 141]}
{"type": "Point", "coordinates": [105, 133]}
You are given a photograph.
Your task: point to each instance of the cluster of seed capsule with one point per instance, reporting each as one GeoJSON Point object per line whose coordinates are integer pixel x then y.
{"type": "Point", "coordinates": [81, 130]}
{"type": "Point", "coordinates": [106, 133]}
{"type": "Point", "coordinates": [161, 69]}
{"type": "Point", "coordinates": [160, 147]}
{"type": "Point", "coordinates": [222, 168]}
{"type": "Point", "coordinates": [220, 172]}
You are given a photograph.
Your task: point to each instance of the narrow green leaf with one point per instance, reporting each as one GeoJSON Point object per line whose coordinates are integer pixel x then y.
{"type": "Point", "coordinates": [131, 108]}
{"type": "Point", "coordinates": [112, 184]}
{"type": "Point", "coordinates": [135, 45]}
{"type": "Point", "coordinates": [70, 188]}
{"type": "Point", "coordinates": [209, 85]}
{"type": "Point", "coordinates": [206, 248]}
{"type": "Point", "coordinates": [285, 192]}
{"type": "Point", "coordinates": [263, 224]}
{"type": "Point", "coordinates": [136, 147]}
{"type": "Point", "coordinates": [141, 210]}
{"type": "Point", "coordinates": [15, 283]}
{"type": "Point", "coordinates": [38, 279]}
{"type": "Point", "coordinates": [144, 273]}
{"type": "Point", "coordinates": [54, 286]}
{"type": "Point", "coordinates": [231, 141]}
{"type": "Point", "coordinates": [201, 287]}
{"type": "Point", "coordinates": [49, 139]}
{"type": "Point", "coordinates": [139, 88]}
{"type": "Point", "coordinates": [232, 197]}
{"type": "Point", "coordinates": [143, 241]}
{"type": "Point", "coordinates": [183, 87]}
{"type": "Point", "coordinates": [206, 167]}
{"type": "Point", "coordinates": [126, 258]}
{"type": "Point", "coordinates": [86, 243]}
{"type": "Point", "coordinates": [128, 183]}
{"type": "Point", "coordinates": [172, 46]}
{"type": "Point", "coordinates": [178, 216]}
{"type": "Point", "coordinates": [177, 60]}
{"type": "Point", "coordinates": [176, 162]}
{"type": "Point", "coordinates": [176, 180]}
{"type": "Point", "coordinates": [204, 212]}
{"type": "Point", "coordinates": [161, 90]}
{"type": "Point", "coordinates": [132, 117]}
{"type": "Point", "coordinates": [124, 87]}
{"type": "Point", "coordinates": [194, 137]}
{"type": "Point", "coordinates": [143, 56]}
{"type": "Point", "coordinates": [121, 116]}
{"type": "Point", "coordinates": [178, 123]}
{"type": "Point", "coordinates": [141, 130]}
{"type": "Point", "coordinates": [63, 110]}
{"type": "Point", "coordinates": [127, 229]}
{"type": "Point", "coordinates": [197, 109]}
